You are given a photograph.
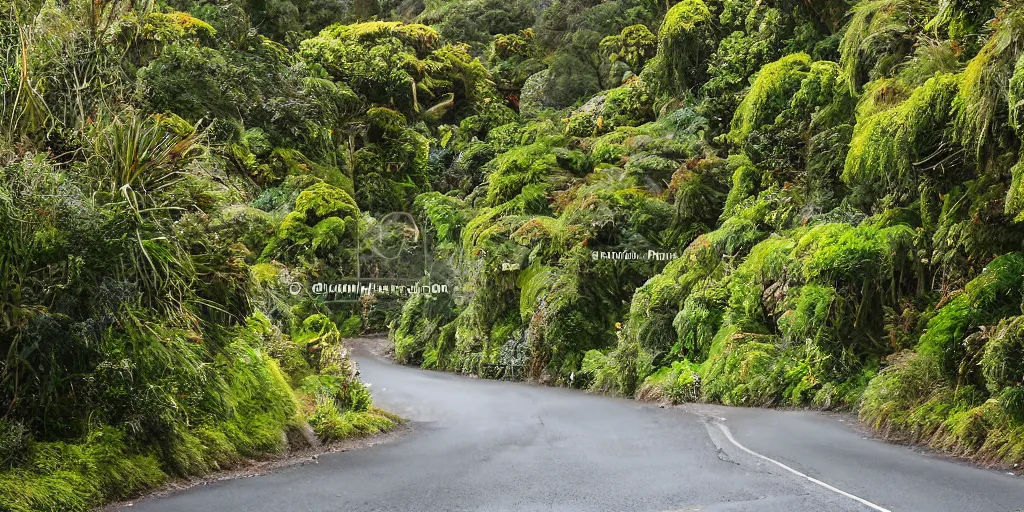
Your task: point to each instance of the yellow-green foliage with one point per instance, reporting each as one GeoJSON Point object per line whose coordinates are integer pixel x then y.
{"type": "Point", "coordinates": [677, 383]}
{"type": "Point", "coordinates": [621, 372]}
{"type": "Point", "coordinates": [657, 304]}
{"type": "Point", "coordinates": [261, 402]}
{"type": "Point", "coordinates": [847, 254]}
{"type": "Point", "coordinates": [908, 398]}
{"type": "Point", "coordinates": [634, 45]}
{"type": "Point", "coordinates": [403, 65]}
{"type": "Point", "coordinates": [172, 26]}
{"type": "Point", "coordinates": [508, 46]}
{"type": "Point", "coordinates": [627, 105]}
{"type": "Point", "coordinates": [328, 233]}
{"type": "Point", "coordinates": [890, 147]}
{"type": "Point", "coordinates": [517, 168]}
{"type": "Point", "coordinates": [321, 200]}
{"type": "Point", "coordinates": [749, 370]}
{"type": "Point", "coordinates": [770, 93]}
{"type": "Point", "coordinates": [1015, 194]}
{"type": "Point", "coordinates": [685, 41]}
{"type": "Point", "coordinates": [700, 318]}
{"type": "Point", "coordinates": [878, 37]}
{"type": "Point", "coordinates": [746, 180]}
{"type": "Point", "coordinates": [323, 225]}
{"type": "Point", "coordinates": [331, 424]}
{"type": "Point", "coordinates": [337, 405]}
{"type": "Point", "coordinates": [78, 476]}
{"type": "Point", "coordinates": [446, 215]}
{"type": "Point", "coordinates": [385, 121]}
{"type": "Point", "coordinates": [1002, 364]}
{"type": "Point", "coordinates": [994, 294]}
{"type": "Point", "coordinates": [416, 327]}
{"type": "Point", "coordinates": [419, 36]}
{"type": "Point", "coordinates": [911, 401]}
{"type": "Point", "coordinates": [255, 408]}
{"type": "Point", "coordinates": [984, 82]}
{"type": "Point", "coordinates": [1016, 97]}
{"type": "Point", "coordinates": [600, 370]}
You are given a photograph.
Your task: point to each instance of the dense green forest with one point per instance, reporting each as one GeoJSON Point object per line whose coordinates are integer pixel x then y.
{"type": "Point", "coordinates": [839, 185]}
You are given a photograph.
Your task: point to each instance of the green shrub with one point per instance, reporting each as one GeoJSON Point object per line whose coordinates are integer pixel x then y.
{"type": "Point", "coordinates": [994, 294]}
{"type": "Point", "coordinates": [634, 45]}
{"type": "Point", "coordinates": [907, 399]}
{"type": "Point", "coordinates": [1002, 363]}
{"type": "Point", "coordinates": [65, 476]}
{"type": "Point", "coordinates": [685, 41]}
{"type": "Point", "coordinates": [678, 383]}
{"type": "Point", "coordinates": [770, 93]}
{"type": "Point", "coordinates": [321, 201]}
{"type": "Point", "coordinates": [888, 145]}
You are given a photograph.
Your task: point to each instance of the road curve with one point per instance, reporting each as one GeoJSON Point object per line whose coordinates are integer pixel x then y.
{"type": "Point", "coordinates": [479, 445]}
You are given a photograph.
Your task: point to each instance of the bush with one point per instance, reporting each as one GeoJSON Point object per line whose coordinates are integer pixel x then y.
{"type": "Point", "coordinates": [76, 477]}
{"type": "Point", "coordinates": [676, 384]}
{"type": "Point", "coordinates": [994, 294]}
{"type": "Point", "coordinates": [906, 399]}
{"type": "Point", "coordinates": [686, 39]}
{"type": "Point", "coordinates": [1002, 364]}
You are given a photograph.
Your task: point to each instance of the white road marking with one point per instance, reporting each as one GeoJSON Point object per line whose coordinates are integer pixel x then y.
{"type": "Point", "coordinates": [728, 435]}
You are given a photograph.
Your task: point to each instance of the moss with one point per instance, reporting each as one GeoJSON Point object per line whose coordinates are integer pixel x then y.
{"type": "Point", "coordinates": [889, 147]}
{"type": "Point", "coordinates": [609, 148]}
{"type": "Point", "coordinates": [1015, 193]}
{"type": "Point", "coordinates": [630, 104]}
{"type": "Point", "coordinates": [907, 400]}
{"type": "Point", "coordinates": [746, 182]}
{"type": "Point", "coordinates": [1002, 364]}
{"type": "Point", "coordinates": [283, 163]}
{"type": "Point", "coordinates": [332, 424]}
{"type": "Point", "coordinates": [879, 36]}
{"type": "Point", "coordinates": [685, 41]}
{"type": "Point", "coordinates": [621, 371]}
{"type": "Point", "coordinates": [846, 254]}
{"type": "Point", "coordinates": [634, 45]}
{"type": "Point", "coordinates": [385, 122]}
{"type": "Point", "coordinates": [1016, 97]}
{"type": "Point", "coordinates": [172, 26]}
{"type": "Point", "coordinates": [751, 370]}
{"type": "Point", "coordinates": [994, 294]}
{"type": "Point", "coordinates": [321, 200]}
{"type": "Point", "coordinates": [410, 334]}
{"type": "Point", "coordinates": [329, 233]}
{"type": "Point", "coordinates": [517, 168]}
{"type": "Point", "coordinates": [983, 82]}
{"type": "Point", "coordinates": [770, 93]}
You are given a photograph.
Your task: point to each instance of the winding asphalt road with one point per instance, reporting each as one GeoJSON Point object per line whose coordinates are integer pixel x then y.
{"type": "Point", "coordinates": [479, 445]}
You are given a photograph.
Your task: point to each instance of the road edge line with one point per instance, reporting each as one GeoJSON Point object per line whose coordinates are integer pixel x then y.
{"type": "Point", "coordinates": [862, 501]}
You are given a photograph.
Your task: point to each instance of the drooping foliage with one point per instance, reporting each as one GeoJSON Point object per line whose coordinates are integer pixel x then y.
{"type": "Point", "coordinates": [812, 203]}
{"type": "Point", "coordinates": [836, 186]}
{"type": "Point", "coordinates": [164, 177]}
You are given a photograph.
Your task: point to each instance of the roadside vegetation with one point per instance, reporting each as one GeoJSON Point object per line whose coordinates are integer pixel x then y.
{"type": "Point", "coordinates": [839, 179]}
{"type": "Point", "coordinates": [765, 203]}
